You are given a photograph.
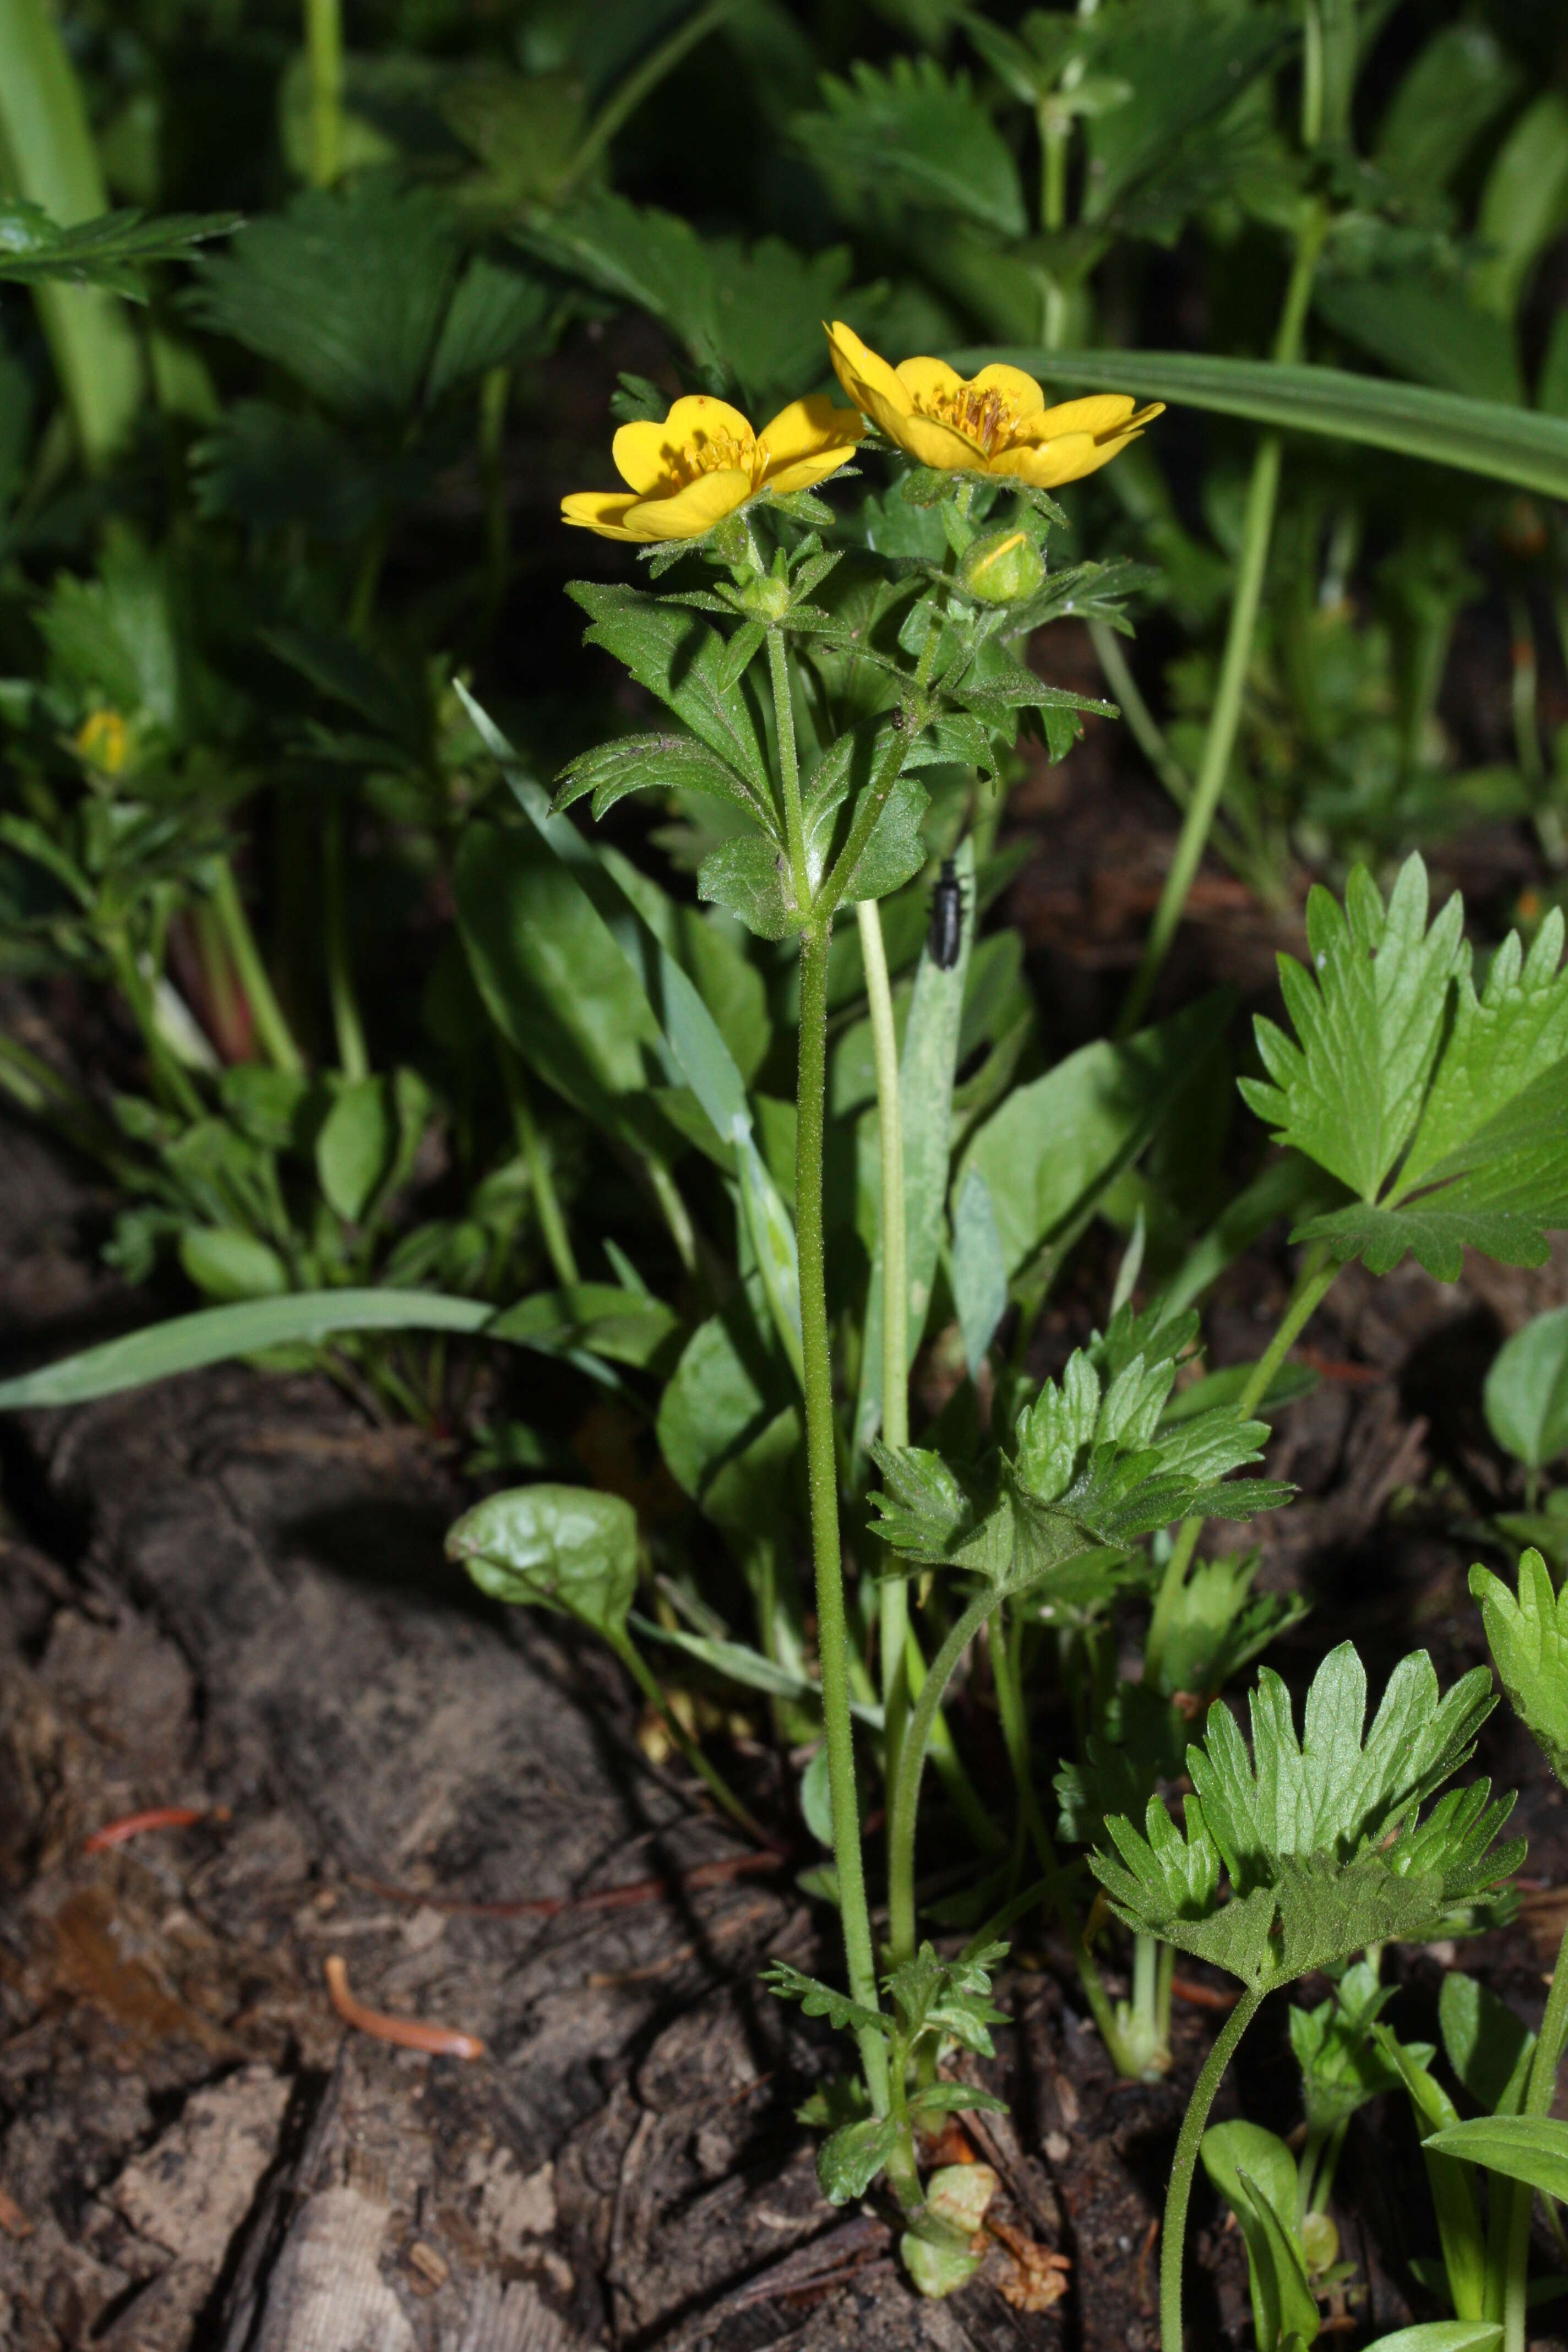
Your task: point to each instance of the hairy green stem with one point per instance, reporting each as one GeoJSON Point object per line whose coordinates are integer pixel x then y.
{"type": "Point", "coordinates": [353, 1057]}
{"type": "Point", "coordinates": [894, 1606]}
{"type": "Point", "coordinates": [277, 1037]}
{"type": "Point", "coordinates": [542, 1182]}
{"type": "Point", "coordinates": [789, 770]}
{"type": "Point", "coordinates": [324, 54]}
{"type": "Point", "coordinates": [1189, 2141]}
{"type": "Point", "coordinates": [821, 1476]}
{"type": "Point", "coordinates": [1224, 720]}
{"type": "Point", "coordinates": [1313, 1284]}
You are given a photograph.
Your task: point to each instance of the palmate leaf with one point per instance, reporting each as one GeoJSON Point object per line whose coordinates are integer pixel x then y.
{"type": "Point", "coordinates": [113, 250]}
{"type": "Point", "coordinates": [681, 660]}
{"type": "Point", "coordinates": [1318, 1839]}
{"type": "Point", "coordinates": [1181, 70]}
{"type": "Point", "coordinates": [749, 315]}
{"type": "Point", "coordinates": [1444, 1109]}
{"type": "Point", "coordinates": [1369, 1019]}
{"type": "Point", "coordinates": [920, 136]}
{"type": "Point", "coordinates": [1093, 1470]}
{"type": "Point", "coordinates": [346, 289]}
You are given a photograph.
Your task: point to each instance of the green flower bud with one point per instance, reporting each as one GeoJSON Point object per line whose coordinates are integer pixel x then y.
{"type": "Point", "coordinates": [1003, 568]}
{"type": "Point", "coordinates": [766, 596]}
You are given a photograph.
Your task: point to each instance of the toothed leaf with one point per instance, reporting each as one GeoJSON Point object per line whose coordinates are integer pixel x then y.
{"type": "Point", "coordinates": [1443, 1109]}
{"type": "Point", "coordinates": [1528, 1638]}
{"type": "Point", "coordinates": [1320, 1838]}
{"type": "Point", "coordinates": [819, 1999]}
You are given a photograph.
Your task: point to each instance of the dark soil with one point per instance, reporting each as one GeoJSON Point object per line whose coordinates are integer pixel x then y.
{"type": "Point", "coordinates": [228, 1595]}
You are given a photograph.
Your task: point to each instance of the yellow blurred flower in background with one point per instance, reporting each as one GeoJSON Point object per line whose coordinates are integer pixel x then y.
{"type": "Point", "coordinates": [996, 423]}
{"type": "Point", "coordinates": [705, 461]}
{"type": "Point", "coordinates": [102, 741]}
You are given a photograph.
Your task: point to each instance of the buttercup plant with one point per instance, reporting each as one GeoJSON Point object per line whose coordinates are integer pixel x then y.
{"type": "Point", "coordinates": [836, 821]}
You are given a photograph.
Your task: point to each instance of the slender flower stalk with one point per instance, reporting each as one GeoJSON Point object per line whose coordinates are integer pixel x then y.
{"type": "Point", "coordinates": [894, 1609]}
{"type": "Point", "coordinates": [821, 1476]}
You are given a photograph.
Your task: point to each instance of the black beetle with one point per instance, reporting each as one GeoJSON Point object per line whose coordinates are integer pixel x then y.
{"type": "Point", "coordinates": [946, 934]}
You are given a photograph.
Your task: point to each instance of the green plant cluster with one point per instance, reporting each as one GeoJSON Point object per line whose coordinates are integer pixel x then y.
{"type": "Point", "coordinates": [646, 1163]}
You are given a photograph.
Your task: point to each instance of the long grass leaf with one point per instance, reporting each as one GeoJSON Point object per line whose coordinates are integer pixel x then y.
{"type": "Point", "coordinates": [189, 1342]}
{"type": "Point", "coordinates": [1476, 437]}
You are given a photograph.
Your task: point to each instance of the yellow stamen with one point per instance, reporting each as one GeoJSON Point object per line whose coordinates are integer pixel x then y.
{"type": "Point", "coordinates": [984, 417]}
{"type": "Point", "coordinates": [716, 454]}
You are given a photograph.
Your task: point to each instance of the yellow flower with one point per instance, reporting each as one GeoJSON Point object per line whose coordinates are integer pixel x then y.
{"type": "Point", "coordinates": [705, 461]}
{"type": "Point", "coordinates": [102, 741]}
{"type": "Point", "coordinates": [996, 422]}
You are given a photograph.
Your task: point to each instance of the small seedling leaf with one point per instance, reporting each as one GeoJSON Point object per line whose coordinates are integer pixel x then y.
{"type": "Point", "coordinates": [849, 2161]}
{"type": "Point", "coordinates": [550, 1547]}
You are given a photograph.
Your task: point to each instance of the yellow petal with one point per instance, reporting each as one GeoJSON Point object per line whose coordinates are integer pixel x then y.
{"type": "Point", "coordinates": [807, 427]}
{"type": "Point", "coordinates": [1021, 393]}
{"type": "Point", "coordinates": [929, 380]}
{"type": "Point", "coordinates": [646, 454]}
{"type": "Point", "coordinates": [1067, 458]}
{"type": "Point", "coordinates": [601, 510]}
{"type": "Point", "coordinates": [937, 445]}
{"type": "Point", "coordinates": [693, 510]}
{"type": "Point", "coordinates": [1099, 412]}
{"type": "Point", "coordinates": [865, 375]}
{"type": "Point", "coordinates": [1047, 463]}
{"type": "Point", "coordinates": [804, 471]}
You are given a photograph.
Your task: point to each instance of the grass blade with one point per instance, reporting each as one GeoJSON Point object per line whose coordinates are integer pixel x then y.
{"type": "Point", "coordinates": [189, 1342]}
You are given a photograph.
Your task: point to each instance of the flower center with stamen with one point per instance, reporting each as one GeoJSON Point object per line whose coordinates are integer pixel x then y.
{"type": "Point", "coordinates": [985, 418]}
{"type": "Point", "coordinates": [715, 453]}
